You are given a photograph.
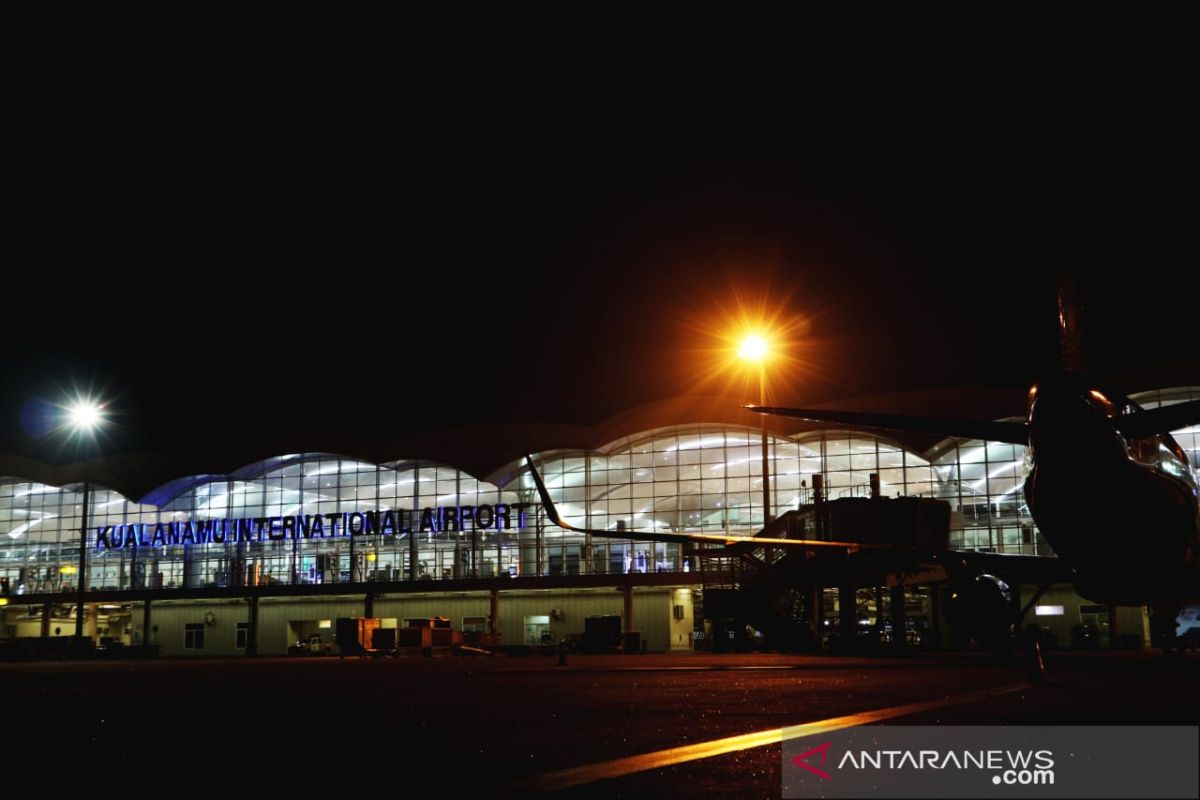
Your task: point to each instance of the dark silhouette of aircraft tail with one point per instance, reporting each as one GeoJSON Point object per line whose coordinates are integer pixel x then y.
{"type": "Point", "coordinates": [1071, 330]}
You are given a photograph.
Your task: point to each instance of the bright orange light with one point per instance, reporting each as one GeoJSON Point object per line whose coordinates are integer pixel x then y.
{"type": "Point", "coordinates": [754, 348]}
{"type": "Point", "coordinates": [750, 343]}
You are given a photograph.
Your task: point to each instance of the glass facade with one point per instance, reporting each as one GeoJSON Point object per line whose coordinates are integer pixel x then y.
{"type": "Point", "coordinates": [321, 518]}
{"type": "Point", "coordinates": [1188, 438]}
{"type": "Point", "coordinates": [984, 483]}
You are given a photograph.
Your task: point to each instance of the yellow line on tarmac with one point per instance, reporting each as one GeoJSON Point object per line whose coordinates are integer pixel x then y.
{"type": "Point", "coordinates": [577, 776]}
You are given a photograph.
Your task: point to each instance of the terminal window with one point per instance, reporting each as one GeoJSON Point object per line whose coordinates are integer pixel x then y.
{"type": "Point", "coordinates": [193, 636]}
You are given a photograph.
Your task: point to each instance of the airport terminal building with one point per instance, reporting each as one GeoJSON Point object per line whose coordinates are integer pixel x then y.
{"type": "Point", "coordinates": [253, 559]}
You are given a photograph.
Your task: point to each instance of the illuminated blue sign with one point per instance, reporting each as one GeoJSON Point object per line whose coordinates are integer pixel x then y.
{"type": "Point", "coordinates": [442, 519]}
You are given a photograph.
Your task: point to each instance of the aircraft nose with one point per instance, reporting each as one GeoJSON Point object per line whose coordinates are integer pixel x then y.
{"type": "Point", "coordinates": [1070, 422]}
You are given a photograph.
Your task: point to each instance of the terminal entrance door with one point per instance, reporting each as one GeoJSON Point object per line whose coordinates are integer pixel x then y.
{"type": "Point", "coordinates": [537, 630]}
{"type": "Point", "coordinates": [1093, 630]}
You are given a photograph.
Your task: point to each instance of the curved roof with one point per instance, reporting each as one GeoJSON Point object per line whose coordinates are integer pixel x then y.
{"type": "Point", "coordinates": [491, 452]}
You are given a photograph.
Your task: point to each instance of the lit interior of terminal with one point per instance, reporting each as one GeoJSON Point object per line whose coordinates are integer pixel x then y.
{"type": "Point", "coordinates": [310, 534]}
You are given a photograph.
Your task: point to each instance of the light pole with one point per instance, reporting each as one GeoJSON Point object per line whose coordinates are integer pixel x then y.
{"type": "Point", "coordinates": [84, 416]}
{"type": "Point", "coordinates": [754, 349]}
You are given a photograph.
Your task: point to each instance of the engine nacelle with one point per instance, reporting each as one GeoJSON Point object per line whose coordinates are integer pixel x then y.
{"type": "Point", "coordinates": [980, 610]}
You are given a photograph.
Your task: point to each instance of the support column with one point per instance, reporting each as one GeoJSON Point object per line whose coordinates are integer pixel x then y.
{"type": "Point", "coordinates": [81, 574]}
{"type": "Point", "coordinates": [540, 553]}
{"type": "Point", "coordinates": [816, 614]}
{"type": "Point", "coordinates": [415, 527]}
{"type": "Point", "coordinates": [1114, 635]}
{"type": "Point", "coordinates": [847, 617]}
{"type": "Point", "coordinates": [146, 623]}
{"type": "Point", "coordinates": [935, 616]}
{"type": "Point", "coordinates": [627, 611]}
{"type": "Point", "coordinates": [879, 616]}
{"type": "Point", "coordinates": [494, 612]}
{"type": "Point", "coordinates": [412, 554]}
{"type": "Point", "coordinates": [91, 624]}
{"type": "Point", "coordinates": [768, 516]}
{"type": "Point", "coordinates": [252, 629]}
{"type": "Point", "coordinates": [369, 605]}
{"type": "Point", "coordinates": [474, 569]}
{"type": "Point", "coordinates": [818, 487]}
{"type": "Point", "coordinates": [899, 619]}
{"type": "Point", "coordinates": [47, 612]}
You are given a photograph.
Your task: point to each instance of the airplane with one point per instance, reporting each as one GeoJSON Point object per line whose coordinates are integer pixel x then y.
{"type": "Point", "coordinates": [1112, 492]}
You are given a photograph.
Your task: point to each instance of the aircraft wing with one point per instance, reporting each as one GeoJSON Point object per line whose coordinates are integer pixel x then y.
{"type": "Point", "coordinates": [1159, 420]}
{"type": "Point", "coordinates": [709, 538]}
{"type": "Point", "coordinates": [1011, 432]}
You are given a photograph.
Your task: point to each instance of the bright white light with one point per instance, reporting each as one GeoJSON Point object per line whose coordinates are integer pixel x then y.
{"type": "Point", "coordinates": [753, 348]}
{"type": "Point", "coordinates": [85, 414]}
{"type": "Point", "coordinates": [1048, 611]}
{"type": "Point", "coordinates": [38, 488]}
{"type": "Point", "coordinates": [709, 442]}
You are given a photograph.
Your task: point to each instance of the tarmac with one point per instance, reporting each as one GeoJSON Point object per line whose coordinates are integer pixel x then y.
{"type": "Point", "coordinates": [612, 726]}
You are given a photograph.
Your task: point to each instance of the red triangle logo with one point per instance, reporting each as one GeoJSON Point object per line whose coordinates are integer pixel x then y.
{"type": "Point", "coordinates": [824, 751]}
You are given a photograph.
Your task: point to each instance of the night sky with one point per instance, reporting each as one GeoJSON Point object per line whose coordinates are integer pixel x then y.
{"type": "Point", "coordinates": [233, 282]}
